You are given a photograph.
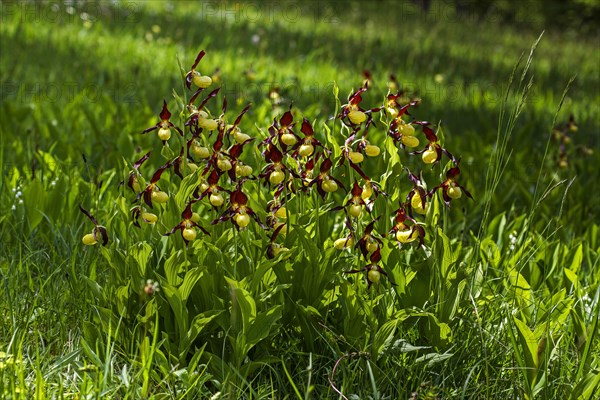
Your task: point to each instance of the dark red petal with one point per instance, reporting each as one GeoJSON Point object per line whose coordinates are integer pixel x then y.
{"type": "Point", "coordinates": [130, 181]}
{"type": "Point", "coordinates": [210, 96]}
{"type": "Point", "coordinates": [175, 229]}
{"type": "Point", "coordinates": [421, 231]}
{"type": "Point", "coordinates": [400, 215]}
{"type": "Point", "coordinates": [275, 154]}
{"type": "Point", "coordinates": [276, 232]}
{"type": "Point", "coordinates": [357, 169]}
{"type": "Point", "coordinates": [413, 178]}
{"type": "Point", "coordinates": [270, 251]}
{"type": "Point", "coordinates": [429, 133]}
{"type": "Point", "coordinates": [370, 226]}
{"type": "Point", "coordinates": [239, 118]}
{"type": "Point", "coordinates": [404, 109]}
{"type": "Point", "coordinates": [218, 144]}
{"type": "Point", "coordinates": [159, 172]}
{"type": "Point", "coordinates": [224, 105]}
{"type": "Point", "coordinates": [422, 196]}
{"type": "Point", "coordinates": [432, 191]}
{"type": "Point", "coordinates": [231, 172]}
{"type": "Point", "coordinates": [310, 165]}
{"type": "Point", "coordinates": [177, 164]}
{"type": "Point", "coordinates": [226, 216]}
{"type": "Point", "coordinates": [147, 193]}
{"type": "Point", "coordinates": [139, 162]}
{"type": "Point", "coordinates": [187, 213]}
{"type": "Point", "coordinates": [203, 230]}
{"type": "Point", "coordinates": [257, 219]}
{"type": "Point", "coordinates": [150, 129]}
{"type": "Point", "coordinates": [320, 187]}
{"type": "Point", "coordinates": [87, 214]}
{"type": "Point", "coordinates": [307, 128]}
{"type": "Point", "coordinates": [239, 197]}
{"type": "Point", "coordinates": [453, 172]}
{"type": "Point", "coordinates": [198, 58]}
{"type": "Point", "coordinates": [325, 166]}
{"type": "Point", "coordinates": [177, 129]}
{"type": "Point", "coordinates": [466, 191]}
{"type": "Point", "coordinates": [353, 271]}
{"type": "Point", "coordinates": [236, 151]}
{"type": "Point", "coordinates": [104, 235]}
{"type": "Point", "coordinates": [195, 95]}
{"type": "Point", "coordinates": [348, 224]}
{"type": "Point", "coordinates": [447, 199]}
{"type": "Point", "coordinates": [213, 178]}
{"type": "Point", "coordinates": [272, 131]}
{"type": "Point", "coordinates": [362, 245]}
{"type": "Point", "coordinates": [135, 214]}
{"type": "Point", "coordinates": [356, 97]}
{"type": "Point", "coordinates": [286, 119]}
{"type": "Point", "coordinates": [165, 115]}
{"type": "Point", "coordinates": [376, 256]}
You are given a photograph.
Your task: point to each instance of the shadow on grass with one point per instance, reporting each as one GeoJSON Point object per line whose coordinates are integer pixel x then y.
{"type": "Point", "coordinates": [286, 35]}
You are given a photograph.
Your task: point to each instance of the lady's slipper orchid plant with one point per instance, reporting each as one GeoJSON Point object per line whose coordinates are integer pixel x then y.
{"type": "Point", "coordinates": [372, 271]}
{"type": "Point", "coordinates": [98, 233]}
{"type": "Point", "coordinates": [406, 229]}
{"type": "Point", "coordinates": [152, 192]}
{"type": "Point", "coordinates": [216, 162]}
{"type": "Point", "coordinates": [352, 113]}
{"type": "Point", "coordinates": [164, 125]}
{"type": "Point", "coordinates": [451, 189]}
{"type": "Point", "coordinates": [187, 225]}
{"type": "Point", "coordinates": [195, 77]}
{"type": "Point", "coordinates": [239, 211]}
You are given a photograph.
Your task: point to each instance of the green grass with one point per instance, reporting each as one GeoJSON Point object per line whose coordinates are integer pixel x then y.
{"type": "Point", "coordinates": [513, 277]}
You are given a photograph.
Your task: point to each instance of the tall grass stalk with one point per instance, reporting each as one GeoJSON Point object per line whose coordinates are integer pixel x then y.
{"type": "Point", "coordinates": [499, 160]}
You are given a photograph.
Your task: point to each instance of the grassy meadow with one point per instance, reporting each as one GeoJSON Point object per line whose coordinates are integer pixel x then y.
{"type": "Point", "coordinates": [493, 297]}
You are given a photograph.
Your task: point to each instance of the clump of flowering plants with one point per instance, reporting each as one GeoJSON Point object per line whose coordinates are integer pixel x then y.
{"type": "Point", "coordinates": [249, 226]}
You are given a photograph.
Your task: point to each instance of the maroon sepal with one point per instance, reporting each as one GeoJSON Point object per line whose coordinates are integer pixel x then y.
{"type": "Point", "coordinates": [189, 75]}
